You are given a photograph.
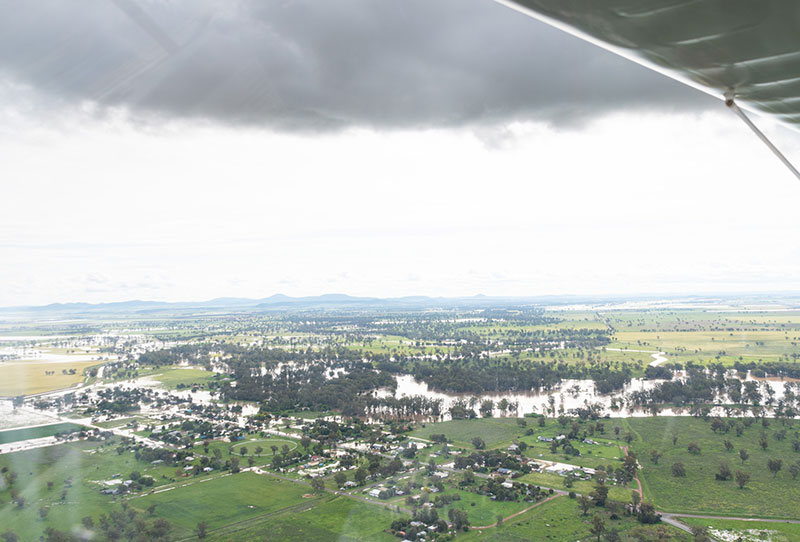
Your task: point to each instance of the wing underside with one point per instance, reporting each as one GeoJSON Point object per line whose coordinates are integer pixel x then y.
{"type": "Point", "coordinates": [745, 49]}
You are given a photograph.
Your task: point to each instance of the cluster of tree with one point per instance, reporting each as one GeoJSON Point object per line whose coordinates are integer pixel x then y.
{"type": "Point", "coordinates": [482, 375]}
{"type": "Point", "coordinates": [769, 368]}
{"type": "Point", "coordinates": [349, 392]}
{"type": "Point", "coordinates": [122, 524]}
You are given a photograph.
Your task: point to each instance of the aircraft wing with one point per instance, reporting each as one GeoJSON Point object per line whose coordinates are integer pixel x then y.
{"type": "Point", "coordinates": [748, 50]}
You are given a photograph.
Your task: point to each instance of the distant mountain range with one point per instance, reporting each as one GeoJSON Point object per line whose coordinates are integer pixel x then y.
{"type": "Point", "coordinates": [279, 302]}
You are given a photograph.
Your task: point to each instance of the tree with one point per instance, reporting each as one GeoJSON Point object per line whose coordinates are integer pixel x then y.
{"type": "Point", "coordinates": [88, 522]}
{"type": "Point", "coordinates": [478, 443]}
{"type": "Point", "coordinates": [585, 503]}
{"type": "Point", "coordinates": [9, 536]}
{"type": "Point", "coordinates": [43, 511]}
{"type": "Point", "coordinates": [647, 513]}
{"type": "Point", "coordinates": [600, 494]}
{"type": "Point", "coordinates": [318, 485]}
{"type": "Point", "coordinates": [54, 535]}
{"type": "Point", "coordinates": [340, 478]}
{"type": "Point", "coordinates": [151, 510]}
{"type": "Point", "coordinates": [678, 470]}
{"type": "Point", "coordinates": [743, 455]}
{"type": "Point", "coordinates": [728, 445]}
{"type": "Point", "coordinates": [794, 470]}
{"type": "Point", "coordinates": [598, 527]}
{"type": "Point", "coordinates": [360, 475]}
{"type": "Point", "coordinates": [201, 530]}
{"type": "Point", "coordinates": [774, 466]}
{"type": "Point", "coordinates": [724, 471]}
{"type": "Point", "coordinates": [636, 498]}
{"type": "Point", "coordinates": [458, 518]}
{"type": "Point", "coordinates": [630, 465]}
{"type": "Point", "coordinates": [742, 478]}
{"type": "Point", "coordinates": [655, 455]}
{"type": "Point", "coordinates": [487, 406]}
{"type": "Point", "coordinates": [693, 448]}
{"type": "Point", "coordinates": [700, 534]}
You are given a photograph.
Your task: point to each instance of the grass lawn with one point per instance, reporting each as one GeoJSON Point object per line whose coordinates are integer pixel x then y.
{"type": "Point", "coordinates": [265, 443]}
{"type": "Point", "coordinates": [29, 377]}
{"type": "Point", "coordinates": [252, 442]}
{"type": "Point", "coordinates": [222, 501]}
{"type": "Point", "coordinates": [494, 431]}
{"type": "Point", "coordinates": [485, 510]}
{"type": "Point", "coordinates": [331, 519]}
{"type": "Point", "coordinates": [699, 492]}
{"type": "Point", "coordinates": [546, 479]}
{"type": "Point", "coordinates": [16, 435]}
{"type": "Point", "coordinates": [560, 520]}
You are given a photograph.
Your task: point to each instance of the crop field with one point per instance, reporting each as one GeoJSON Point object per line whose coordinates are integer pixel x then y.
{"type": "Point", "coordinates": [222, 501]}
{"type": "Point", "coordinates": [16, 435]}
{"type": "Point", "coordinates": [30, 377]}
{"type": "Point", "coordinates": [706, 345]}
{"type": "Point", "coordinates": [765, 495]}
{"type": "Point", "coordinates": [704, 336]}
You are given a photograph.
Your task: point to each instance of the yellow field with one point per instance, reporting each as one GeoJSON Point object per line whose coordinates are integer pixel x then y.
{"type": "Point", "coordinates": [28, 377]}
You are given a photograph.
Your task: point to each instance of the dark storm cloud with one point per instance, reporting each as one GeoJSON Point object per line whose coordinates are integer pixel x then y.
{"type": "Point", "coordinates": [310, 64]}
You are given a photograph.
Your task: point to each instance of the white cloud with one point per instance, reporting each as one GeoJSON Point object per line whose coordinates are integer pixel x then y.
{"type": "Point", "coordinates": [99, 209]}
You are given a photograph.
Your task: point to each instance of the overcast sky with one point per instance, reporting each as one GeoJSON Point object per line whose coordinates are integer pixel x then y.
{"type": "Point", "coordinates": [191, 149]}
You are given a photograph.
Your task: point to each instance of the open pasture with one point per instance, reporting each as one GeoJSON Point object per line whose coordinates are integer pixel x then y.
{"type": "Point", "coordinates": [699, 492]}
{"type": "Point", "coordinates": [329, 519]}
{"type": "Point", "coordinates": [222, 501]}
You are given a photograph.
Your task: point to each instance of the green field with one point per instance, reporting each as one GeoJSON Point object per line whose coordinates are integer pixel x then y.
{"type": "Point", "coordinates": [764, 496]}
{"type": "Point", "coordinates": [186, 378]}
{"type": "Point", "coordinates": [331, 519]}
{"type": "Point", "coordinates": [223, 500]}
{"type": "Point", "coordinates": [561, 520]}
{"type": "Point", "coordinates": [266, 444]}
{"type": "Point", "coordinates": [16, 435]}
{"type": "Point", "coordinates": [494, 431]}
{"type": "Point", "coordinates": [75, 467]}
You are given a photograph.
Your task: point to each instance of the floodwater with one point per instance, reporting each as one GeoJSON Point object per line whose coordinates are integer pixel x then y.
{"type": "Point", "coordinates": [570, 394]}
